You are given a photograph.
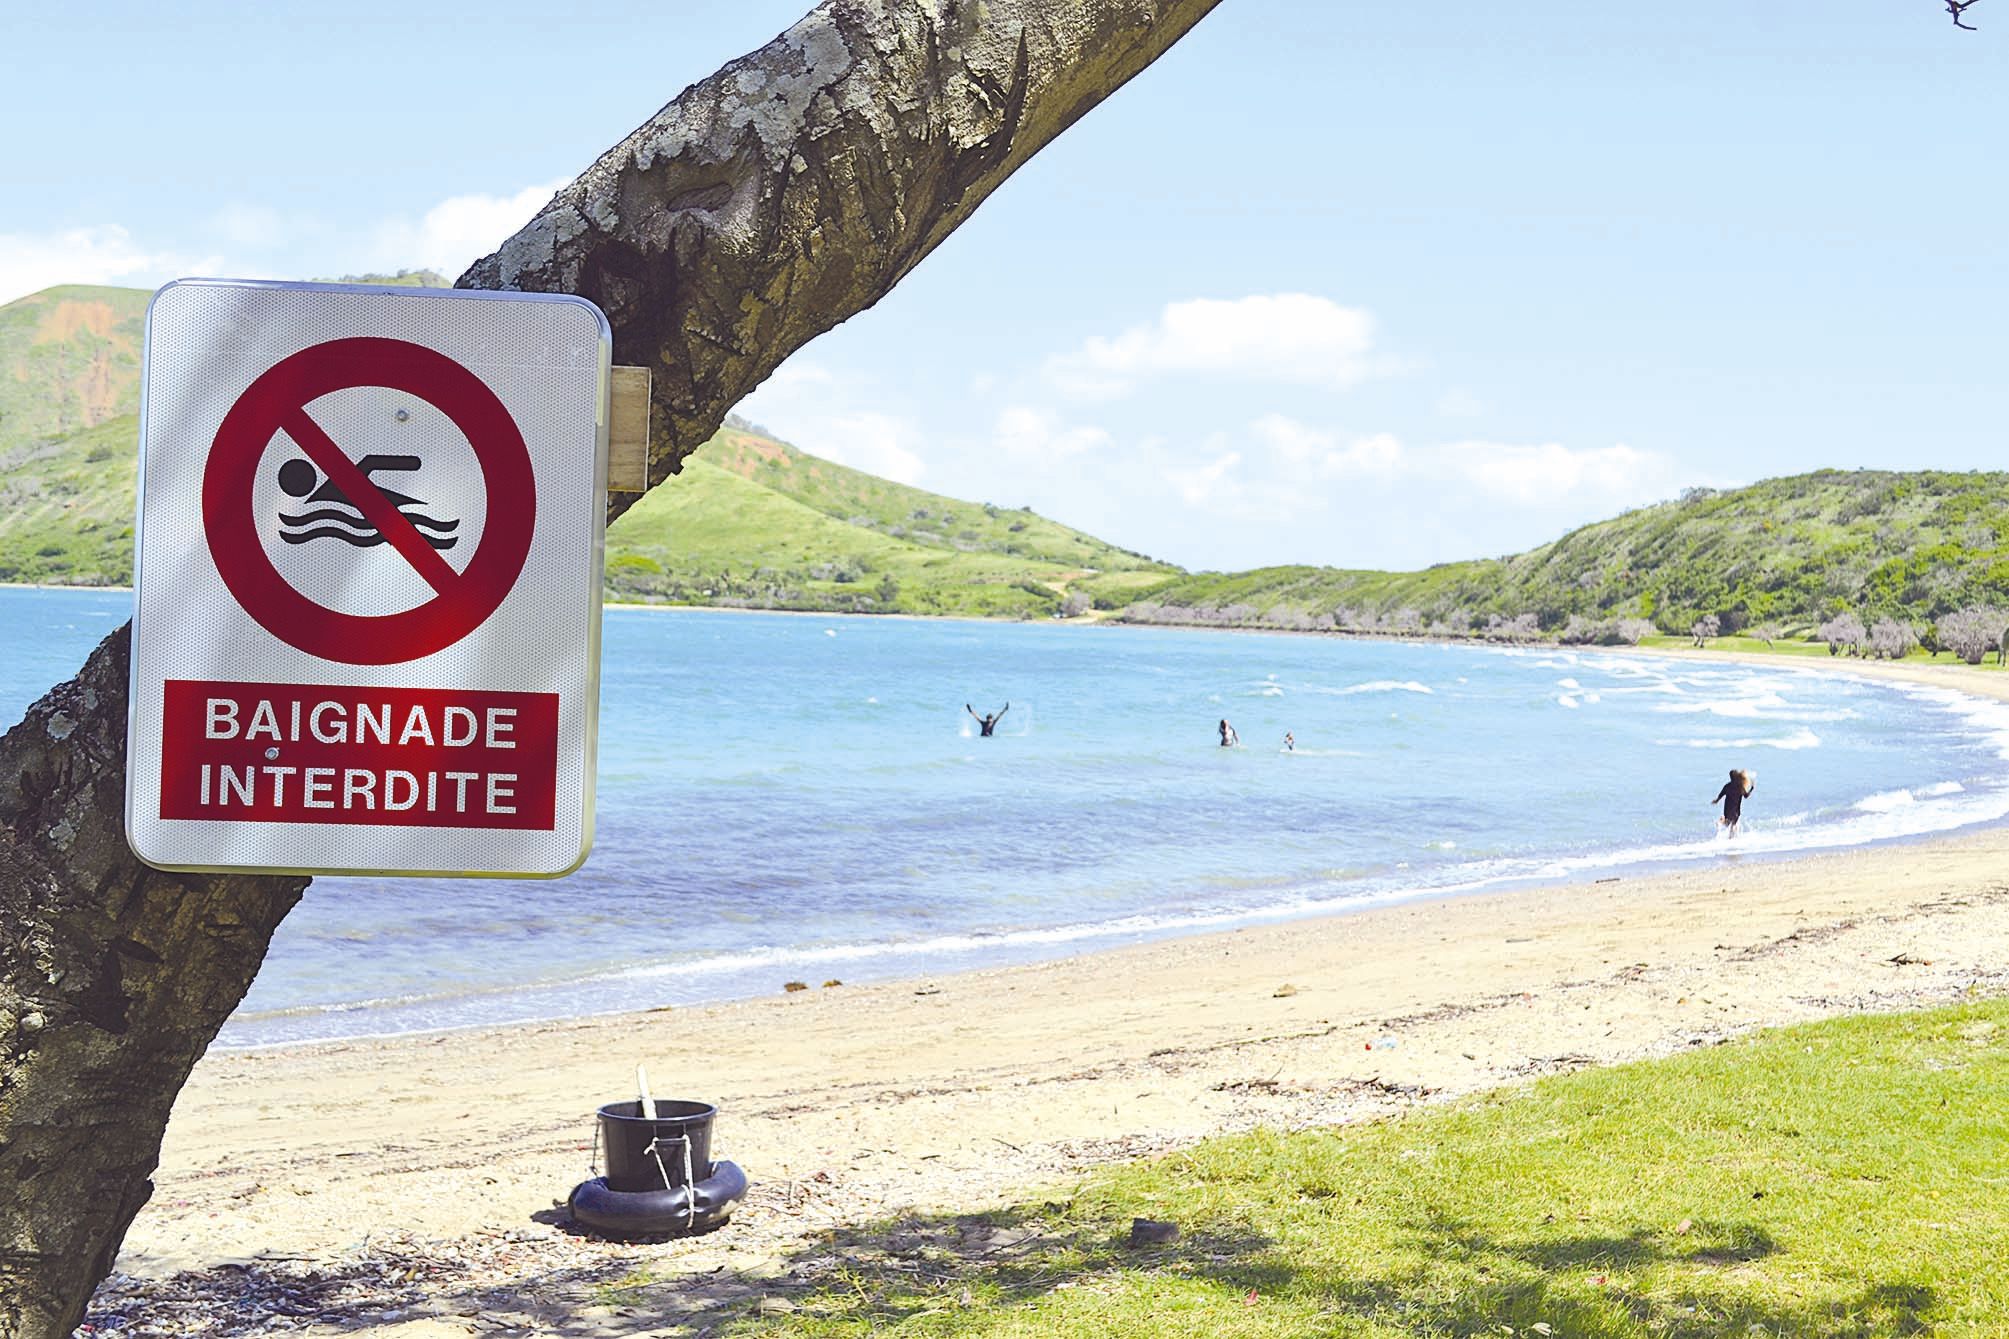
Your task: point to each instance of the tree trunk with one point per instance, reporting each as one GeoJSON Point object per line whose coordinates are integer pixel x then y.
{"type": "Point", "coordinates": [113, 978]}
{"type": "Point", "coordinates": [772, 200]}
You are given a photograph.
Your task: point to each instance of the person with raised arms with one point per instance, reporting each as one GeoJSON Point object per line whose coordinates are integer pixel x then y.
{"type": "Point", "coordinates": [987, 723]}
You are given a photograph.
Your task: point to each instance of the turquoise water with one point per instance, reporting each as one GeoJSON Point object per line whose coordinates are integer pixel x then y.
{"type": "Point", "coordinates": [804, 798]}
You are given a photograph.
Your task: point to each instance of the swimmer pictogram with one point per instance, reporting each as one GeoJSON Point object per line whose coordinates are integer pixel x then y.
{"type": "Point", "coordinates": [333, 483]}
{"type": "Point", "coordinates": [333, 515]}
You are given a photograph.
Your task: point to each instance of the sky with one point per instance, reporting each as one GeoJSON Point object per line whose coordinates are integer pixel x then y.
{"type": "Point", "coordinates": [1362, 284]}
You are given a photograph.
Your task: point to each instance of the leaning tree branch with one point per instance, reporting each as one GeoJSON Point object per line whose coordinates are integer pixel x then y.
{"type": "Point", "coordinates": [794, 187]}
{"type": "Point", "coordinates": [769, 202]}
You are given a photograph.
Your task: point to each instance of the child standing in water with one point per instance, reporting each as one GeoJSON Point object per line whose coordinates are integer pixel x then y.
{"type": "Point", "coordinates": [1731, 797]}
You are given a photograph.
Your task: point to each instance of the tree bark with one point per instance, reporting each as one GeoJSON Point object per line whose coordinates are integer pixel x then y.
{"type": "Point", "coordinates": [113, 979]}
{"type": "Point", "coordinates": [766, 204]}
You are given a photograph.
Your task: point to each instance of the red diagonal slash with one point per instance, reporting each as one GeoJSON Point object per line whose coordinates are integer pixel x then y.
{"type": "Point", "coordinates": [369, 500]}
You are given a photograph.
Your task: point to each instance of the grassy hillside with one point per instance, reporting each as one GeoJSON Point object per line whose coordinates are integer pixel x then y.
{"type": "Point", "coordinates": [69, 393]}
{"type": "Point", "coordinates": [1786, 552]}
{"type": "Point", "coordinates": [754, 522]}
{"type": "Point", "coordinates": [69, 405]}
{"type": "Point", "coordinates": [750, 522]}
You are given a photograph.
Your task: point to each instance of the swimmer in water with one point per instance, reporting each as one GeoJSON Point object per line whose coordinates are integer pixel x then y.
{"type": "Point", "coordinates": [1229, 739]}
{"type": "Point", "coordinates": [988, 723]}
{"type": "Point", "coordinates": [1731, 797]}
{"type": "Point", "coordinates": [1290, 744]}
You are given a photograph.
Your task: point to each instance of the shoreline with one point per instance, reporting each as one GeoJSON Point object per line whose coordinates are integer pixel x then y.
{"type": "Point", "coordinates": [890, 962]}
{"type": "Point", "coordinates": [963, 1091]}
{"type": "Point", "coordinates": [1930, 666]}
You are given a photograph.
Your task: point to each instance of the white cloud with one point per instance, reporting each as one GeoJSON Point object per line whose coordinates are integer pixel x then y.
{"type": "Point", "coordinates": [1527, 476]}
{"type": "Point", "coordinates": [805, 403]}
{"type": "Point", "coordinates": [456, 232]}
{"type": "Point", "coordinates": [252, 240]}
{"type": "Point", "coordinates": [1306, 448]}
{"type": "Point", "coordinates": [881, 444]}
{"type": "Point", "coordinates": [107, 254]}
{"type": "Point", "coordinates": [1296, 338]}
{"type": "Point", "coordinates": [1203, 484]}
{"type": "Point", "coordinates": [1036, 435]}
{"type": "Point", "coordinates": [1552, 473]}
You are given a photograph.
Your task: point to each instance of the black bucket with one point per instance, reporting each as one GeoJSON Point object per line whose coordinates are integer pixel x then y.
{"type": "Point", "coordinates": [660, 1153]}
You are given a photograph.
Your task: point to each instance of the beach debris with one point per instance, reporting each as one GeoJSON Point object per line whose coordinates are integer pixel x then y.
{"type": "Point", "coordinates": [790, 987]}
{"type": "Point", "coordinates": [1152, 1232]}
{"type": "Point", "coordinates": [1384, 1042]}
{"type": "Point", "coordinates": [1910, 960]}
{"type": "Point", "coordinates": [833, 981]}
{"type": "Point", "coordinates": [1283, 992]}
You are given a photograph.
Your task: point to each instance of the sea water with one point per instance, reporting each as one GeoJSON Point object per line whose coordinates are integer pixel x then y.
{"type": "Point", "coordinates": [806, 798]}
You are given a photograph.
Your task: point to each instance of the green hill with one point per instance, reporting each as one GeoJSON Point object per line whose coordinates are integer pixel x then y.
{"type": "Point", "coordinates": [750, 521]}
{"type": "Point", "coordinates": [69, 394]}
{"type": "Point", "coordinates": [753, 522]}
{"type": "Point", "coordinates": [1786, 553]}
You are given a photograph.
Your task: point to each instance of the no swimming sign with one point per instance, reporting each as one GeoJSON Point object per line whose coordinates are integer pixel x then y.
{"type": "Point", "coordinates": [366, 631]}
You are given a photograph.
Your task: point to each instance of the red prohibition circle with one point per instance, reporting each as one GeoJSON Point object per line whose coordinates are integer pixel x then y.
{"type": "Point", "coordinates": [278, 400]}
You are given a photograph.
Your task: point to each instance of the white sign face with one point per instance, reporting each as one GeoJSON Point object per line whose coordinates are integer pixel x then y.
{"type": "Point", "coordinates": [366, 628]}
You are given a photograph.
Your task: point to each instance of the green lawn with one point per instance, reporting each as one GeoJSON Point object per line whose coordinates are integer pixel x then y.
{"type": "Point", "coordinates": [1848, 1178]}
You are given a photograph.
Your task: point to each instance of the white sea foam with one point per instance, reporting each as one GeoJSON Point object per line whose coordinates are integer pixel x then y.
{"type": "Point", "coordinates": [1985, 717]}
{"type": "Point", "coordinates": [1761, 707]}
{"type": "Point", "coordinates": [1886, 800]}
{"type": "Point", "coordinates": [1801, 738]}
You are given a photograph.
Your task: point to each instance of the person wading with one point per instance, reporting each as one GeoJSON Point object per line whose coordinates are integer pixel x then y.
{"type": "Point", "coordinates": [1731, 797]}
{"type": "Point", "coordinates": [988, 723]}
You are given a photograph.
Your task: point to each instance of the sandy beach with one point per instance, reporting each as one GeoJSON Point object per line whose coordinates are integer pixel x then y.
{"type": "Point", "coordinates": [407, 1186]}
